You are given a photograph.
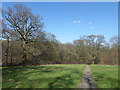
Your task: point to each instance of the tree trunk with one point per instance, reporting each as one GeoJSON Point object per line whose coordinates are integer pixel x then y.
{"type": "Point", "coordinates": [7, 51]}
{"type": "Point", "coordinates": [11, 58]}
{"type": "Point", "coordinates": [25, 53]}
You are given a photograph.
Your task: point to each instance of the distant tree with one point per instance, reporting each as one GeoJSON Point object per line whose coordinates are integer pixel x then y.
{"type": "Point", "coordinates": [89, 48]}
{"type": "Point", "coordinates": [99, 43]}
{"type": "Point", "coordinates": [114, 49]}
{"type": "Point", "coordinates": [114, 41]}
{"type": "Point", "coordinates": [6, 34]}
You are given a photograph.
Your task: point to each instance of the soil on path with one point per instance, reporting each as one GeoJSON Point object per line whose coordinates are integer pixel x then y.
{"type": "Point", "coordinates": [87, 81]}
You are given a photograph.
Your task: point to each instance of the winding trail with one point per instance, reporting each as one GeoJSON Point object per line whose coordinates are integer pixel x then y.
{"type": "Point", "coordinates": [87, 81]}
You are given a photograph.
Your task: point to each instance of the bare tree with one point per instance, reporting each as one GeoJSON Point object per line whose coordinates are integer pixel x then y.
{"type": "Point", "coordinates": [22, 25]}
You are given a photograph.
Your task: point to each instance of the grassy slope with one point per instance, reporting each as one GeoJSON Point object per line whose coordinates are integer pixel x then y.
{"type": "Point", "coordinates": [105, 76]}
{"type": "Point", "coordinates": [46, 76]}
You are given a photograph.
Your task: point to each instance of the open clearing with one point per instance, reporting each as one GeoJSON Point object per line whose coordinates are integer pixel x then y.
{"type": "Point", "coordinates": [58, 76]}
{"type": "Point", "coordinates": [46, 76]}
{"type": "Point", "coordinates": [105, 76]}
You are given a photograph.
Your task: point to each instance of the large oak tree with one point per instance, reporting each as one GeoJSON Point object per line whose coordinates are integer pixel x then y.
{"type": "Point", "coordinates": [20, 23]}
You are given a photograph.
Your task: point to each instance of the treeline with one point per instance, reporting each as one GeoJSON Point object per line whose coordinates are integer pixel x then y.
{"type": "Point", "coordinates": [24, 42]}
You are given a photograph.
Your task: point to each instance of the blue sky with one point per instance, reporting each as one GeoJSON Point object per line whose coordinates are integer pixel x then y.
{"type": "Point", "coordinates": [69, 20]}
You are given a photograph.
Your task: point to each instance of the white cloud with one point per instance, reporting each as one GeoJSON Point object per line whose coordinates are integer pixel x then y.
{"type": "Point", "coordinates": [76, 21]}
{"type": "Point", "coordinates": [90, 23]}
{"type": "Point", "coordinates": [92, 27]}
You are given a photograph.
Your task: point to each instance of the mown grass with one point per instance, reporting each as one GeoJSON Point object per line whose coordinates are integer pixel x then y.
{"type": "Point", "coordinates": [105, 76]}
{"type": "Point", "coordinates": [45, 76]}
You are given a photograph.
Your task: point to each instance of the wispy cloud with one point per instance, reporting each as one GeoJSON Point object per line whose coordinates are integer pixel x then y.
{"type": "Point", "coordinates": [92, 27]}
{"type": "Point", "coordinates": [90, 23]}
{"type": "Point", "coordinates": [76, 21]}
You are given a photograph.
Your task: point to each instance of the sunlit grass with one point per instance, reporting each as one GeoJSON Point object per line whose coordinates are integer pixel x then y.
{"type": "Point", "coordinates": [105, 76]}
{"type": "Point", "coordinates": [45, 76]}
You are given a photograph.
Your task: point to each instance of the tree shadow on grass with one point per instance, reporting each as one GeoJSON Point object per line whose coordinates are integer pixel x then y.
{"type": "Point", "coordinates": [106, 81]}
{"type": "Point", "coordinates": [65, 81]}
{"type": "Point", "coordinates": [18, 76]}
{"type": "Point", "coordinates": [21, 80]}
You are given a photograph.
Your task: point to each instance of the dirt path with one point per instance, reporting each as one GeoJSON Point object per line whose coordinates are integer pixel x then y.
{"type": "Point", "coordinates": [87, 81]}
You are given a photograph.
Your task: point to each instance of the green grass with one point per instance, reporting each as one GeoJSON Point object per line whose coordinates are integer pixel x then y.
{"type": "Point", "coordinates": [45, 76]}
{"type": "Point", "coordinates": [105, 76]}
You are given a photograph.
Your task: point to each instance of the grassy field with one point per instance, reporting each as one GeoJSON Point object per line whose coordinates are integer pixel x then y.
{"type": "Point", "coordinates": [105, 76]}
{"type": "Point", "coordinates": [46, 76]}
{"type": "Point", "coordinates": [58, 76]}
